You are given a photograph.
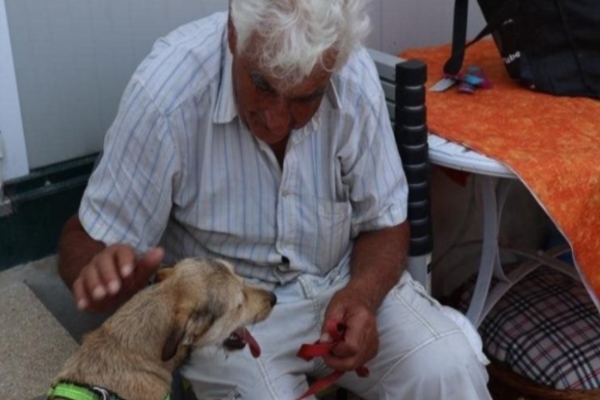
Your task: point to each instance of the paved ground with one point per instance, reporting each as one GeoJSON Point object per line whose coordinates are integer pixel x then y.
{"type": "Point", "coordinates": [39, 328]}
{"type": "Point", "coordinates": [43, 280]}
{"type": "Point", "coordinates": [33, 344]}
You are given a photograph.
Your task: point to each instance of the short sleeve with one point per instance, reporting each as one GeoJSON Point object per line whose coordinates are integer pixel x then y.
{"type": "Point", "coordinates": [129, 195]}
{"type": "Point", "coordinates": [377, 185]}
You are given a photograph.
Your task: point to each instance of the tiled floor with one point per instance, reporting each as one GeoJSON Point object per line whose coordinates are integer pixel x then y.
{"type": "Point", "coordinates": [39, 328]}
{"type": "Point", "coordinates": [33, 344]}
{"type": "Point", "coordinates": [42, 278]}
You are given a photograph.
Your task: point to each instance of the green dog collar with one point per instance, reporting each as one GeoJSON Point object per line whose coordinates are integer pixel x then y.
{"type": "Point", "coordinates": [73, 391]}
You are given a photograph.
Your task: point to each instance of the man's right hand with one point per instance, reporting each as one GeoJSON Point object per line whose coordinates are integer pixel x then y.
{"type": "Point", "coordinates": [113, 276]}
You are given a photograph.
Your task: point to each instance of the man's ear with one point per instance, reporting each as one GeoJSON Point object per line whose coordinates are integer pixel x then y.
{"type": "Point", "coordinates": [231, 35]}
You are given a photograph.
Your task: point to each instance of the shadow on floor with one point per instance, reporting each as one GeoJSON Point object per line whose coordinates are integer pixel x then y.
{"type": "Point", "coordinates": [43, 280]}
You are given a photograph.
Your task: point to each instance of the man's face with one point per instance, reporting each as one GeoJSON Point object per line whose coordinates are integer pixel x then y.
{"type": "Point", "coordinates": [270, 112]}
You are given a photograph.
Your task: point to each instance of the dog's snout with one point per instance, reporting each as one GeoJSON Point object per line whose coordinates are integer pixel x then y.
{"type": "Point", "coordinates": [272, 299]}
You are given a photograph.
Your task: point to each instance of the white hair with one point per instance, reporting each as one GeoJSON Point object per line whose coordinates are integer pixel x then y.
{"type": "Point", "coordinates": [294, 35]}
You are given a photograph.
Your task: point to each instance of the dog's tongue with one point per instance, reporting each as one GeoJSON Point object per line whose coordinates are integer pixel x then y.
{"type": "Point", "coordinates": [252, 343]}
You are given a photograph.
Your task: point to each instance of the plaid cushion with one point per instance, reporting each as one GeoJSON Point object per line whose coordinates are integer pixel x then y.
{"type": "Point", "coordinates": [547, 329]}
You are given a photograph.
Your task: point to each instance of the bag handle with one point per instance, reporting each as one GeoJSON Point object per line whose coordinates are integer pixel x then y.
{"type": "Point", "coordinates": [459, 31]}
{"type": "Point", "coordinates": [459, 37]}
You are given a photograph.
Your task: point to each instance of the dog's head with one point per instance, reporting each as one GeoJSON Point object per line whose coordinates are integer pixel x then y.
{"type": "Point", "coordinates": [213, 306]}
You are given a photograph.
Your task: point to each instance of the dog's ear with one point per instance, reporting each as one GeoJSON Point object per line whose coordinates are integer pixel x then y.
{"type": "Point", "coordinates": [187, 324]}
{"type": "Point", "coordinates": [164, 273]}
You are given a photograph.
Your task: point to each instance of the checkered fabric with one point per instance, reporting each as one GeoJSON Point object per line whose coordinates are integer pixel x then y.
{"type": "Point", "coordinates": [547, 329]}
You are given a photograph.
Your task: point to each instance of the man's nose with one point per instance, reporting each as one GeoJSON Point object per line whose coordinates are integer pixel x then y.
{"type": "Point", "coordinates": [279, 117]}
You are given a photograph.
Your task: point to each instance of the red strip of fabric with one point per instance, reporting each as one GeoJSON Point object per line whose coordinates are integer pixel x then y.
{"type": "Point", "coordinates": [309, 351]}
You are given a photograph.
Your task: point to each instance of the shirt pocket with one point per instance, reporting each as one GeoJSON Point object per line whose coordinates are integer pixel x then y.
{"type": "Point", "coordinates": [332, 239]}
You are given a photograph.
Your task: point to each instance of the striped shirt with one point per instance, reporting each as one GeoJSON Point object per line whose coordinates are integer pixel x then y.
{"type": "Point", "coordinates": [180, 168]}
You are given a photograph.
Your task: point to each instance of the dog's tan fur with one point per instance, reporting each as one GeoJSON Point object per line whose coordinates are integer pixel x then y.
{"type": "Point", "coordinates": [198, 303]}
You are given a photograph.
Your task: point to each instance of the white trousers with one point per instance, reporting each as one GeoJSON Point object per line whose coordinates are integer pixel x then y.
{"type": "Point", "coordinates": [423, 355]}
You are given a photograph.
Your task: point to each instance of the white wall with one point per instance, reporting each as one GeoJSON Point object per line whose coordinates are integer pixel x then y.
{"type": "Point", "coordinates": [404, 24]}
{"type": "Point", "coordinates": [72, 59]}
{"type": "Point", "coordinates": [13, 160]}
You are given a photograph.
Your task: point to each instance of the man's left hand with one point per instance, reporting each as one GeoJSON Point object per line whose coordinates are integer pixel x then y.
{"type": "Point", "coordinates": [361, 339]}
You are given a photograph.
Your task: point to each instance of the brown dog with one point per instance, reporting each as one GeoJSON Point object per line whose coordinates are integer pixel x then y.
{"type": "Point", "coordinates": [133, 354]}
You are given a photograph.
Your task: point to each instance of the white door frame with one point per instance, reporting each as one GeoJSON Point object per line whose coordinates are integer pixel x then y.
{"type": "Point", "coordinates": [13, 152]}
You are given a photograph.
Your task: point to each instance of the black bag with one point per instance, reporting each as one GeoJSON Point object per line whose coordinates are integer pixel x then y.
{"type": "Point", "coordinates": [552, 46]}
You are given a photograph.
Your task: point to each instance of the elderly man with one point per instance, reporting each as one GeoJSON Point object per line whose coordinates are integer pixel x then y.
{"type": "Point", "coordinates": [261, 136]}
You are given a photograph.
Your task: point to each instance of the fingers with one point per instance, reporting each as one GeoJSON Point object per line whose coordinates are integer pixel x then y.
{"type": "Point", "coordinates": [103, 282]}
{"type": "Point", "coordinates": [148, 264]}
{"type": "Point", "coordinates": [360, 340]}
{"type": "Point", "coordinates": [79, 292]}
{"type": "Point", "coordinates": [98, 281]}
{"type": "Point", "coordinates": [93, 284]}
{"type": "Point", "coordinates": [348, 355]}
{"type": "Point", "coordinates": [152, 258]}
{"type": "Point", "coordinates": [125, 263]}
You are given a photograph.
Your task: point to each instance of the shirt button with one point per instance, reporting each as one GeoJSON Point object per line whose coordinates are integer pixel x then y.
{"type": "Point", "coordinates": [285, 193]}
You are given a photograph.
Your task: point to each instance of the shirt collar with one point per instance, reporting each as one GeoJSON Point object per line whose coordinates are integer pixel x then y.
{"type": "Point", "coordinates": [332, 95]}
{"type": "Point", "coordinates": [226, 107]}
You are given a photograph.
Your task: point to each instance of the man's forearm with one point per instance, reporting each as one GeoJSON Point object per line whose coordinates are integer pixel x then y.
{"type": "Point", "coordinates": [75, 249]}
{"type": "Point", "coordinates": [378, 260]}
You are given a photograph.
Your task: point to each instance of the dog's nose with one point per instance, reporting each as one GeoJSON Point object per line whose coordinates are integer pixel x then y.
{"type": "Point", "coordinates": [273, 299]}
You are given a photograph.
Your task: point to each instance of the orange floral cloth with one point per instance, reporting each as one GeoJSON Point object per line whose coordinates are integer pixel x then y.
{"type": "Point", "coordinates": [552, 144]}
